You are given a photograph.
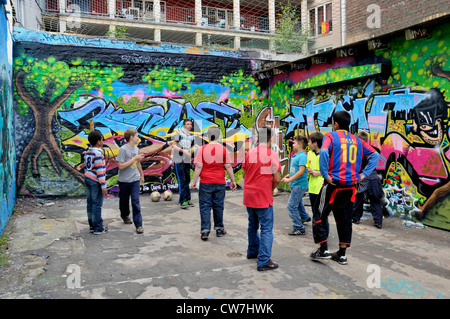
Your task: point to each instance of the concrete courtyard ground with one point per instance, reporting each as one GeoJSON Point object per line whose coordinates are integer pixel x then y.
{"type": "Point", "coordinates": [52, 255]}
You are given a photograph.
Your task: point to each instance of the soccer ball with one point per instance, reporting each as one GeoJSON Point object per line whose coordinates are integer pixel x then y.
{"type": "Point", "coordinates": [167, 195]}
{"type": "Point", "coordinates": [155, 196]}
{"type": "Point", "coordinates": [275, 192]}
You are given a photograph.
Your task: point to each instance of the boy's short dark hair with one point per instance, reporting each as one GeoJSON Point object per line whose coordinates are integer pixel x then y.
{"type": "Point", "coordinates": [316, 137]}
{"type": "Point", "coordinates": [94, 137]}
{"type": "Point", "coordinates": [363, 135]}
{"type": "Point", "coordinates": [129, 133]}
{"type": "Point", "coordinates": [187, 120]}
{"type": "Point", "coordinates": [343, 119]}
{"type": "Point", "coordinates": [302, 140]}
{"type": "Point", "coordinates": [264, 134]}
{"type": "Point", "coordinates": [213, 133]}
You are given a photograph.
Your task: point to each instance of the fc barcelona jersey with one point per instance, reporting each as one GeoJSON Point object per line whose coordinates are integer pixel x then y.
{"type": "Point", "coordinates": [341, 157]}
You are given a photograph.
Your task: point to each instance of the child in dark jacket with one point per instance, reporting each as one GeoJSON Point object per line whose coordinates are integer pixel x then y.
{"type": "Point", "coordinates": [370, 190]}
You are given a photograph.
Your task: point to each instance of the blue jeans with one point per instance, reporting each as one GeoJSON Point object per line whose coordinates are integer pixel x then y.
{"type": "Point", "coordinates": [94, 200]}
{"type": "Point", "coordinates": [296, 209]}
{"type": "Point", "coordinates": [127, 190]}
{"type": "Point", "coordinates": [211, 196]}
{"type": "Point", "coordinates": [261, 244]}
{"type": "Point", "coordinates": [183, 172]}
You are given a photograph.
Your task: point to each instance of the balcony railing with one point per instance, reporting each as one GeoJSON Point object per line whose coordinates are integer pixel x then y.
{"type": "Point", "coordinates": [128, 10]}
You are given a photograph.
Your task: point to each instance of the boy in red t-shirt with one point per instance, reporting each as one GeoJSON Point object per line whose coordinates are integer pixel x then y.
{"type": "Point", "coordinates": [261, 176]}
{"type": "Point", "coordinates": [210, 161]}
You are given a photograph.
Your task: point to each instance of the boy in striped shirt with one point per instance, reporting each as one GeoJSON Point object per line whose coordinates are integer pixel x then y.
{"type": "Point", "coordinates": [95, 179]}
{"type": "Point", "coordinates": [340, 163]}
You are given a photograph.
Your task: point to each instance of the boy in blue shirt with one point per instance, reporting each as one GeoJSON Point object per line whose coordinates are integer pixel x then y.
{"type": "Point", "coordinates": [299, 186]}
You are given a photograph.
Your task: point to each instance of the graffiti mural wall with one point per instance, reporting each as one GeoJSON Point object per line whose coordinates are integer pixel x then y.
{"type": "Point", "coordinates": [7, 156]}
{"type": "Point", "coordinates": [400, 94]}
{"type": "Point", "coordinates": [60, 90]}
{"type": "Point", "coordinates": [396, 89]}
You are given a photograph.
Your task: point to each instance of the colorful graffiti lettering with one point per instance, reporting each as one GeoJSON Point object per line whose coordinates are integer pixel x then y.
{"type": "Point", "coordinates": [155, 126]}
{"type": "Point", "coordinates": [406, 288]}
{"type": "Point", "coordinates": [398, 93]}
{"type": "Point", "coordinates": [414, 155]}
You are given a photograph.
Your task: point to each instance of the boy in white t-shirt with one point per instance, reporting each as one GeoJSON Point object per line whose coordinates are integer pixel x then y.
{"type": "Point", "coordinates": [130, 177]}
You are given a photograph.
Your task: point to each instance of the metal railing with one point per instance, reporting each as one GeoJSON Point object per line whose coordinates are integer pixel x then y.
{"type": "Point", "coordinates": [127, 10]}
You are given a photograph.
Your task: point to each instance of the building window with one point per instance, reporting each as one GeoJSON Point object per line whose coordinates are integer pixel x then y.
{"type": "Point", "coordinates": [317, 51]}
{"type": "Point", "coordinates": [217, 17]}
{"type": "Point", "coordinates": [320, 20]}
{"type": "Point", "coordinates": [140, 9]}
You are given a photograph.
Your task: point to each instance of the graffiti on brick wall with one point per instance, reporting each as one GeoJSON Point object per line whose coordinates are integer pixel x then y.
{"type": "Point", "coordinates": [57, 100]}
{"type": "Point", "coordinates": [412, 129]}
{"type": "Point", "coordinates": [406, 110]}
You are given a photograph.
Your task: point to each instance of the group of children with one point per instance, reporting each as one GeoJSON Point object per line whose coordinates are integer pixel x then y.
{"type": "Point", "coordinates": [346, 172]}
{"type": "Point", "coordinates": [337, 164]}
{"type": "Point", "coordinates": [304, 176]}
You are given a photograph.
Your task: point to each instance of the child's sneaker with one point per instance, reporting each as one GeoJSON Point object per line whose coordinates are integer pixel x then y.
{"type": "Point", "coordinates": [269, 266]}
{"type": "Point", "coordinates": [127, 220]}
{"type": "Point", "coordinates": [190, 203]}
{"type": "Point", "coordinates": [220, 232]}
{"type": "Point", "coordinates": [306, 220]}
{"type": "Point", "coordinates": [295, 232]}
{"type": "Point", "coordinates": [204, 236]}
{"type": "Point", "coordinates": [140, 230]}
{"type": "Point", "coordinates": [184, 205]}
{"type": "Point", "coordinates": [340, 259]}
{"type": "Point", "coordinates": [104, 231]}
{"type": "Point", "coordinates": [320, 255]}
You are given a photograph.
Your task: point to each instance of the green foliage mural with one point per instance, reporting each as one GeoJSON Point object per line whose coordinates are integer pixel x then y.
{"type": "Point", "coordinates": [170, 78]}
{"type": "Point", "coordinates": [49, 79]}
{"type": "Point", "coordinates": [421, 64]}
{"type": "Point", "coordinates": [245, 90]}
{"type": "Point", "coordinates": [338, 75]}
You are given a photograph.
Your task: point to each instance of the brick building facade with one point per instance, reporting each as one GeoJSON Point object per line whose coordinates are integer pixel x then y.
{"type": "Point", "coordinates": [366, 19]}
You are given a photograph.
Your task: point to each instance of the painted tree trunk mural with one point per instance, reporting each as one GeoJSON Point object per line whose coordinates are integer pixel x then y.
{"type": "Point", "coordinates": [44, 86]}
{"type": "Point", "coordinates": [43, 139]}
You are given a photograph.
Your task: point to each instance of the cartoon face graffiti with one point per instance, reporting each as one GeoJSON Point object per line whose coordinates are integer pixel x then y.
{"type": "Point", "coordinates": [431, 132]}
{"type": "Point", "coordinates": [428, 117]}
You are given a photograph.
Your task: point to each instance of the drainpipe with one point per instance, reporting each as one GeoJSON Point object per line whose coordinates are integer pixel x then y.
{"type": "Point", "coordinates": [343, 22]}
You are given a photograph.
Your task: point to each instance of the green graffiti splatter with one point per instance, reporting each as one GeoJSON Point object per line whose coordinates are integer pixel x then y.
{"type": "Point", "coordinates": [170, 78]}
{"type": "Point", "coordinates": [49, 77]}
{"type": "Point", "coordinates": [420, 64]}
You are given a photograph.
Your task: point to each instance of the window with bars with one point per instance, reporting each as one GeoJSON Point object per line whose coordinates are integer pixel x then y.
{"type": "Point", "coordinates": [212, 16]}
{"type": "Point", "coordinates": [320, 19]}
{"type": "Point", "coordinates": [138, 9]}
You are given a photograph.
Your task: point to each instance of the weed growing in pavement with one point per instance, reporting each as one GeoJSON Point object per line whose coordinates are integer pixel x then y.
{"type": "Point", "coordinates": [4, 243]}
